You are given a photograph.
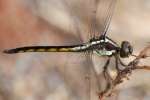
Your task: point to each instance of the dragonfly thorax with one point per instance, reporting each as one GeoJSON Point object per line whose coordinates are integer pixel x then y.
{"type": "Point", "coordinates": [105, 47]}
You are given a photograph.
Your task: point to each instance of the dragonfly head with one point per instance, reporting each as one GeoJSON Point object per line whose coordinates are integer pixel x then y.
{"type": "Point", "coordinates": [126, 49]}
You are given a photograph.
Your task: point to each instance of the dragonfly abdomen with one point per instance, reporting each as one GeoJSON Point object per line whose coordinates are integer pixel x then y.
{"type": "Point", "coordinates": [76, 48]}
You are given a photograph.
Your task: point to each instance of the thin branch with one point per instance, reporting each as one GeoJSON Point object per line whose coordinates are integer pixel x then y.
{"type": "Point", "coordinates": [126, 72]}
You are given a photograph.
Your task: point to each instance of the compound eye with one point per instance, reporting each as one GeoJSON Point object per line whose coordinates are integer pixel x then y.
{"type": "Point", "coordinates": [126, 49]}
{"type": "Point", "coordinates": [130, 49]}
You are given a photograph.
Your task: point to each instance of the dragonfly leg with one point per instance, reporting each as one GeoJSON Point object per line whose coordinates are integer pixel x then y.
{"type": "Point", "coordinates": [119, 71]}
{"type": "Point", "coordinates": [105, 71]}
{"type": "Point", "coordinates": [124, 65]}
{"type": "Point", "coordinates": [117, 64]}
{"type": "Point", "coordinates": [121, 62]}
{"type": "Point", "coordinates": [108, 78]}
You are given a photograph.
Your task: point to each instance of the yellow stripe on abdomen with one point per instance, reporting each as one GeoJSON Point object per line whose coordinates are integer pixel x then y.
{"type": "Point", "coordinates": [30, 50]}
{"type": "Point", "coordinates": [65, 49]}
{"type": "Point", "coordinates": [44, 49]}
{"type": "Point", "coordinates": [47, 50]}
{"type": "Point", "coordinates": [40, 50]}
{"type": "Point", "coordinates": [59, 50]}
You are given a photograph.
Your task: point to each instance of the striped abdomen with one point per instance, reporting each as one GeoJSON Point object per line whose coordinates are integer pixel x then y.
{"type": "Point", "coordinates": [75, 48]}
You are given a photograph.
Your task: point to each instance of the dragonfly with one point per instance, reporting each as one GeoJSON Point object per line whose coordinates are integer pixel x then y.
{"type": "Point", "coordinates": [99, 43]}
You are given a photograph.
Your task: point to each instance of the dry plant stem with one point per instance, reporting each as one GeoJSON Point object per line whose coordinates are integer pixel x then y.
{"type": "Point", "coordinates": [124, 73]}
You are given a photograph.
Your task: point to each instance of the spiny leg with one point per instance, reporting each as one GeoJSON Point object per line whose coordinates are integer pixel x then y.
{"type": "Point", "coordinates": [111, 81]}
{"type": "Point", "coordinates": [119, 71]}
{"type": "Point", "coordinates": [121, 62]}
{"type": "Point", "coordinates": [105, 71]}
{"type": "Point", "coordinates": [110, 84]}
{"type": "Point", "coordinates": [116, 64]}
{"type": "Point", "coordinates": [107, 76]}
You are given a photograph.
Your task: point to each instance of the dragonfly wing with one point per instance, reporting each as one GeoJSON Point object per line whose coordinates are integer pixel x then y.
{"type": "Point", "coordinates": [77, 68]}
{"type": "Point", "coordinates": [101, 17]}
{"type": "Point", "coordinates": [82, 15]}
{"type": "Point", "coordinates": [67, 73]}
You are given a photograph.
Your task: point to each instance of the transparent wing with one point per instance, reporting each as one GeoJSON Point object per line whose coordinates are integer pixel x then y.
{"type": "Point", "coordinates": [73, 70]}
{"type": "Point", "coordinates": [59, 75]}
{"type": "Point", "coordinates": [92, 18]}
{"type": "Point", "coordinates": [101, 16]}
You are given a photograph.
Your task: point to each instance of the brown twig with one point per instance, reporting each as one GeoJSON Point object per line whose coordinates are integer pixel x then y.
{"type": "Point", "coordinates": [126, 72]}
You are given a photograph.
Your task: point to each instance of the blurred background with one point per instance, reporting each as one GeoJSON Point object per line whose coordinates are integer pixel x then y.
{"type": "Point", "coordinates": [66, 76]}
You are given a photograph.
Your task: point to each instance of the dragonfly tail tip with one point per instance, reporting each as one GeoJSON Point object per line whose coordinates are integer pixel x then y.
{"type": "Point", "coordinates": [8, 51]}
